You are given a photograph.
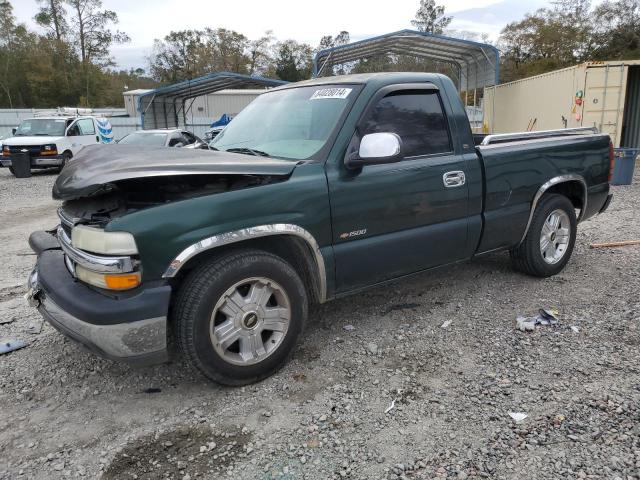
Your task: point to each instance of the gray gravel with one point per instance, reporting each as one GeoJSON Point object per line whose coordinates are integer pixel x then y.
{"type": "Point", "coordinates": [447, 388]}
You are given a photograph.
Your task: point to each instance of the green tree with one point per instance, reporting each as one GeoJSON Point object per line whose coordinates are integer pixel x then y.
{"type": "Point", "coordinates": [617, 30]}
{"type": "Point", "coordinates": [293, 61]}
{"type": "Point", "coordinates": [52, 16]}
{"type": "Point", "coordinates": [430, 18]}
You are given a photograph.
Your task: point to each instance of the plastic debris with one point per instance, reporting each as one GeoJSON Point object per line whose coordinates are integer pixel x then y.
{"type": "Point", "coordinates": [575, 329]}
{"type": "Point", "coordinates": [446, 324]}
{"type": "Point", "coordinates": [390, 407]}
{"type": "Point", "coordinates": [518, 416]}
{"type": "Point", "coordinates": [349, 328]}
{"type": "Point", "coordinates": [9, 345]}
{"type": "Point", "coordinates": [544, 317]}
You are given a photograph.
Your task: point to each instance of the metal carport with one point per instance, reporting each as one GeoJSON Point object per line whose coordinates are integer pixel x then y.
{"type": "Point", "coordinates": [476, 65]}
{"type": "Point", "coordinates": [168, 107]}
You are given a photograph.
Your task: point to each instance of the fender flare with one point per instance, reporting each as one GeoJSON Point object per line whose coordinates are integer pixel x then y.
{"type": "Point", "coordinates": [243, 234]}
{"type": "Point", "coordinates": [569, 177]}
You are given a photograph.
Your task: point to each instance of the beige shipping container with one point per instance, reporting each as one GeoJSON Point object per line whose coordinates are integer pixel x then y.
{"type": "Point", "coordinates": [605, 95]}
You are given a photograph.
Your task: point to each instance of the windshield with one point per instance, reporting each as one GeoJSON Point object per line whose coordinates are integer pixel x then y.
{"type": "Point", "coordinates": [144, 138]}
{"type": "Point", "coordinates": [53, 127]}
{"type": "Point", "coordinates": [293, 124]}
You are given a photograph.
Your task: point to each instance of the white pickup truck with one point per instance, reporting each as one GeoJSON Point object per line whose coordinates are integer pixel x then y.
{"type": "Point", "coordinates": [51, 141]}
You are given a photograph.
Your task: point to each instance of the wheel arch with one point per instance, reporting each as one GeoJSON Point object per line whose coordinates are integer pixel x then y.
{"type": "Point", "coordinates": [290, 242]}
{"type": "Point", "coordinates": [572, 186]}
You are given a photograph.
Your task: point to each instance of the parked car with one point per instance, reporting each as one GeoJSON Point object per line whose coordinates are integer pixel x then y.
{"type": "Point", "coordinates": [164, 138]}
{"type": "Point", "coordinates": [51, 141]}
{"type": "Point", "coordinates": [212, 133]}
{"type": "Point", "coordinates": [318, 190]}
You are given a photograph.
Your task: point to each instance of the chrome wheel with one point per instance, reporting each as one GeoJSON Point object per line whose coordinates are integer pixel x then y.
{"type": "Point", "coordinates": [555, 236]}
{"type": "Point", "coordinates": [250, 321]}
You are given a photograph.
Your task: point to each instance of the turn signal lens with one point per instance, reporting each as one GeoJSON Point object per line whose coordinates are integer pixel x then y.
{"type": "Point", "coordinates": [110, 281]}
{"type": "Point", "coordinates": [122, 282]}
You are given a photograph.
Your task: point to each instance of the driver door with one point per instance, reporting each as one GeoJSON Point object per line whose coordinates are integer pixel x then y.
{"type": "Point", "coordinates": [395, 219]}
{"type": "Point", "coordinates": [83, 132]}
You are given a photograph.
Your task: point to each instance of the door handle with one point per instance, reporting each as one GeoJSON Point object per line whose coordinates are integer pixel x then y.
{"type": "Point", "coordinates": [453, 179]}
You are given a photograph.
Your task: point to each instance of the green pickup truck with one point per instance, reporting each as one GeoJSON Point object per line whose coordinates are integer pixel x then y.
{"type": "Point", "coordinates": [317, 190]}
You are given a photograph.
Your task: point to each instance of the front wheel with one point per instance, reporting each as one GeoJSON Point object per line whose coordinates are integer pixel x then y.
{"type": "Point", "coordinates": [238, 318]}
{"type": "Point", "coordinates": [549, 242]}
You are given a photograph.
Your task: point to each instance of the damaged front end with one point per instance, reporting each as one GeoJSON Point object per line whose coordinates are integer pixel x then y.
{"type": "Point", "coordinates": [88, 281]}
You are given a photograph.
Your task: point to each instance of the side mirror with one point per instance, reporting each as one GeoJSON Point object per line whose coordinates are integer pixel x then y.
{"type": "Point", "coordinates": [14, 130]}
{"type": "Point", "coordinates": [376, 148]}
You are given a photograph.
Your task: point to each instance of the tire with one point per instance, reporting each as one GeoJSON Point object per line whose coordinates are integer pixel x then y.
{"type": "Point", "coordinates": [12, 171]}
{"type": "Point", "coordinates": [236, 346]}
{"type": "Point", "coordinates": [529, 257]}
{"type": "Point", "coordinates": [66, 156]}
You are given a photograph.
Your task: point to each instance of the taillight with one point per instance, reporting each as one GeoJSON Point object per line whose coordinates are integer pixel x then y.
{"type": "Point", "coordinates": [612, 161]}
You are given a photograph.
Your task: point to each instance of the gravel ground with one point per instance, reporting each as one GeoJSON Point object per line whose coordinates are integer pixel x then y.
{"type": "Point", "coordinates": [393, 395]}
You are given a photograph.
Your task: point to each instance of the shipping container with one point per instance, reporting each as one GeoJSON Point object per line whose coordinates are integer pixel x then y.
{"type": "Point", "coordinates": [605, 95]}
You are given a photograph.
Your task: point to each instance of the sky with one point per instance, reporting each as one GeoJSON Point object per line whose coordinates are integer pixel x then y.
{"type": "Point", "coordinates": [145, 21]}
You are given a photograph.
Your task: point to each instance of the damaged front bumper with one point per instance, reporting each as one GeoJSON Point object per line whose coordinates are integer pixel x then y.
{"type": "Point", "coordinates": [129, 327]}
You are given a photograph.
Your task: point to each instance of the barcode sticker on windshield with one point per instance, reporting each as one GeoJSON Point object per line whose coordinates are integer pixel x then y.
{"type": "Point", "coordinates": [331, 93]}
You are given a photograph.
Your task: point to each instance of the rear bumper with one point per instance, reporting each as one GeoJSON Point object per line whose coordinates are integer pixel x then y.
{"type": "Point", "coordinates": [130, 327]}
{"type": "Point", "coordinates": [37, 162]}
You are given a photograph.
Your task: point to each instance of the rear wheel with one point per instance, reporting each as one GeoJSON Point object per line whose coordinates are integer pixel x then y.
{"type": "Point", "coordinates": [238, 318]}
{"type": "Point", "coordinates": [550, 240]}
{"type": "Point", "coordinates": [66, 156]}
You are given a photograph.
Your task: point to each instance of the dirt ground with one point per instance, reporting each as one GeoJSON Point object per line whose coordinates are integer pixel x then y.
{"type": "Point", "coordinates": [395, 394]}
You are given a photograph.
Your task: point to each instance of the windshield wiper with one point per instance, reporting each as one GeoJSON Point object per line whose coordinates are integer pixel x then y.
{"type": "Point", "coordinates": [249, 151]}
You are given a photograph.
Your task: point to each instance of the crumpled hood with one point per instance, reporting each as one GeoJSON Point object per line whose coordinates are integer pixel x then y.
{"type": "Point", "coordinates": [33, 140]}
{"type": "Point", "coordinates": [97, 166]}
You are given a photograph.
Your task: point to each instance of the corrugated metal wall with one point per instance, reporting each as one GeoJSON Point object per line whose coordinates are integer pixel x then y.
{"type": "Point", "coordinates": [631, 125]}
{"type": "Point", "coordinates": [541, 101]}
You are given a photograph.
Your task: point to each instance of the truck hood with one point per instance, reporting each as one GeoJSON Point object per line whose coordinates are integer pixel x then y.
{"type": "Point", "coordinates": [98, 167]}
{"type": "Point", "coordinates": [35, 140]}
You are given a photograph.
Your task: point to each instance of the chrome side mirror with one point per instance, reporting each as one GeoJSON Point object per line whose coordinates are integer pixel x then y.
{"type": "Point", "coordinates": [376, 148]}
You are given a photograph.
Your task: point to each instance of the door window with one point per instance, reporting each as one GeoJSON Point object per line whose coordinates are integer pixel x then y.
{"type": "Point", "coordinates": [416, 117]}
{"type": "Point", "coordinates": [189, 138]}
{"type": "Point", "coordinates": [86, 126]}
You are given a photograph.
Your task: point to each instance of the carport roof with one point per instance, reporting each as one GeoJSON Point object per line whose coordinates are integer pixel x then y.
{"type": "Point", "coordinates": [477, 64]}
{"type": "Point", "coordinates": [162, 107]}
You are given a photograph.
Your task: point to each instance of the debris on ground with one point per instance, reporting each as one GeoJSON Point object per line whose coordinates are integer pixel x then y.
{"type": "Point", "coordinates": [9, 345]}
{"type": "Point", "coordinates": [349, 328]}
{"type": "Point", "coordinates": [518, 416]}
{"type": "Point", "coordinates": [544, 317]}
{"type": "Point", "coordinates": [624, 243]}
{"type": "Point", "coordinates": [35, 327]}
{"type": "Point", "coordinates": [575, 329]}
{"type": "Point", "coordinates": [390, 407]}
{"type": "Point", "coordinates": [446, 324]}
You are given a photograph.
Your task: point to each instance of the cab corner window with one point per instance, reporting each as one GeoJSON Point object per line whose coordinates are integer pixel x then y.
{"type": "Point", "coordinates": [416, 117]}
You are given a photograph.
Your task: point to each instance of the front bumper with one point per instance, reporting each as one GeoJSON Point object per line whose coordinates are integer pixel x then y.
{"type": "Point", "coordinates": [38, 162]}
{"type": "Point", "coordinates": [129, 327]}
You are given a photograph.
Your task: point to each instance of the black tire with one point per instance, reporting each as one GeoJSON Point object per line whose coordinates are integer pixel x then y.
{"type": "Point", "coordinates": [527, 257]}
{"type": "Point", "coordinates": [12, 171]}
{"type": "Point", "coordinates": [66, 156]}
{"type": "Point", "coordinates": [199, 295]}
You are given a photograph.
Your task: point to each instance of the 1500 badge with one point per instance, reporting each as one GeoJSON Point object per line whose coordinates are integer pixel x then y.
{"type": "Point", "coordinates": [355, 233]}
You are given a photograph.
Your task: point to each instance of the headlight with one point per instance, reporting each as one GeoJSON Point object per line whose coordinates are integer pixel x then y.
{"type": "Point", "coordinates": [110, 281]}
{"type": "Point", "coordinates": [50, 149]}
{"type": "Point", "coordinates": [96, 240]}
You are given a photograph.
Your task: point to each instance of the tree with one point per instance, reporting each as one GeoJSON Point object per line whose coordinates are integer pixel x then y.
{"type": "Point", "coordinates": [293, 61]}
{"type": "Point", "coordinates": [91, 30]}
{"type": "Point", "coordinates": [52, 16]}
{"type": "Point", "coordinates": [617, 30]}
{"type": "Point", "coordinates": [430, 18]}
{"type": "Point", "coordinates": [259, 53]}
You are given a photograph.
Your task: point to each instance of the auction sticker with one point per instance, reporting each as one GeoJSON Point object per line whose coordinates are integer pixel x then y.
{"type": "Point", "coordinates": [331, 93]}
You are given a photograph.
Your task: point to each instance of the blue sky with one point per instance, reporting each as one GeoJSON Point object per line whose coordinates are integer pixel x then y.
{"type": "Point", "coordinates": [144, 21]}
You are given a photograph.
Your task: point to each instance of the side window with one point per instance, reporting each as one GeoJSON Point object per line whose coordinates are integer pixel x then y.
{"type": "Point", "coordinates": [86, 126]}
{"type": "Point", "coordinates": [74, 130]}
{"type": "Point", "coordinates": [418, 119]}
{"type": "Point", "coordinates": [176, 138]}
